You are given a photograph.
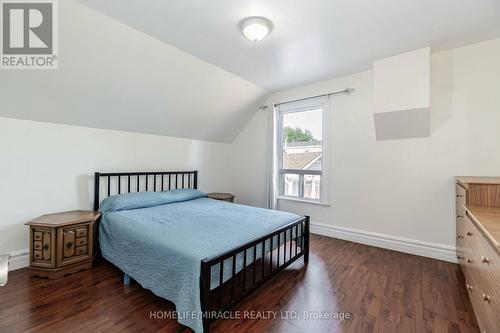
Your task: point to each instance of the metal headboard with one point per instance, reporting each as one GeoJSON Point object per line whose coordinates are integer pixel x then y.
{"type": "Point", "coordinates": [126, 182]}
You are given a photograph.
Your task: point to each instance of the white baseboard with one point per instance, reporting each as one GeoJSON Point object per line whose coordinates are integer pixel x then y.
{"type": "Point", "coordinates": [412, 246]}
{"type": "Point", "coordinates": [19, 259]}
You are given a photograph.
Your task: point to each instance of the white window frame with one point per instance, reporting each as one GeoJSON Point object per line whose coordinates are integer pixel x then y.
{"type": "Point", "coordinates": [301, 106]}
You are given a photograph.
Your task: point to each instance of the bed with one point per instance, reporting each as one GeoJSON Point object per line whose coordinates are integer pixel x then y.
{"type": "Point", "coordinates": [202, 254]}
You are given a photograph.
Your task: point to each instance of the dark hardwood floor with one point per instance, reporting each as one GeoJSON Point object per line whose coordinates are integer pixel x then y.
{"type": "Point", "coordinates": [384, 291]}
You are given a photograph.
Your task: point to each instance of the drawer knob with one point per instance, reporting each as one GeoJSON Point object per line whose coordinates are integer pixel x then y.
{"type": "Point", "coordinates": [486, 298]}
{"type": "Point", "coordinates": [485, 260]}
{"type": "Point", "coordinates": [469, 260]}
{"type": "Point", "coordinates": [469, 233]}
{"type": "Point", "coordinates": [469, 287]}
{"type": "Point", "coordinates": [69, 245]}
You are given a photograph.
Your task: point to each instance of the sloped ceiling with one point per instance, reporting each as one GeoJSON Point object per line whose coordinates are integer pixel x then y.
{"type": "Point", "coordinates": [312, 40]}
{"type": "Point", "coordinates": [115, 77]}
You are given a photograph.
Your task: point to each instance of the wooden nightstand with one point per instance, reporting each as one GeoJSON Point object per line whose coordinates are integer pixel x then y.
{"type": "Point", "coordinates": [222, 196]}
{"type": "Point", "coordinates": [63, 243]}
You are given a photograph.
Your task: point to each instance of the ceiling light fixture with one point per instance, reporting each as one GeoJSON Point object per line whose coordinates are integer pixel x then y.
{"type": "Point", "coordinates": [256, 28]}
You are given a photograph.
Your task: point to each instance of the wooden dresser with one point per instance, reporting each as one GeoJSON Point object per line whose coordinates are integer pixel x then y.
{"type": "Point", "coordinates": [478, 245]}
{"type": "Point", "coordinates": [63, 243]}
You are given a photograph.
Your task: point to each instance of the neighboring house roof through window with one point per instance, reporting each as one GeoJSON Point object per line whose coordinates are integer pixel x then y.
{"type": "Point", "coordinates": [300, 161]}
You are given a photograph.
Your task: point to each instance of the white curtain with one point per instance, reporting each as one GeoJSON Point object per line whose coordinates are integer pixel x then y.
{"type": "Point", "coordinates": [272, 163]}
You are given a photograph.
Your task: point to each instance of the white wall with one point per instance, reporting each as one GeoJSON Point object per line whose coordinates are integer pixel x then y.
{"type": "Point", "coordinates": [250, 160]}
{"type": "Point", "coordinates": [402, 82]}
{"type": "Point", "coordinates": [400, 190]}
{"type": "Point", "coordinates": [48, 168]}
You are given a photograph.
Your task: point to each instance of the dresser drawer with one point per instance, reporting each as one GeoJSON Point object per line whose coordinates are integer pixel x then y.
{"type": "Point", "coordinates": [465, 258]}
{"type": "Point", "coordinates": [473, 240]}
{"type": "Point", "coordinates": [486, 259]}
{"type": "Point", "coordinates": [484, 306]}
{"type": "Point", "coordinates": [42, 247]}
{"type": "Point", "coordinates": [461, 193]}
{"type": "Point", "coordinates": [462, 247]}
{"type": "Point", "coordinates": [462, 225]}
{"type": "Point", "coordinates": [461, 242]}
{"type": "Point", "coordinates": [477, 305]}
{"type": "Point", "coordinates": [73, 247]}
{"type": "Point", "coordinates": [489, 267]}
{"type": "Point", "coordinates": [461, 199]}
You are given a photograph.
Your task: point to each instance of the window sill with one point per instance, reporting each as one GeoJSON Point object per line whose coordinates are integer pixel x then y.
{"type": "Point", "coordinates": [308, 201]}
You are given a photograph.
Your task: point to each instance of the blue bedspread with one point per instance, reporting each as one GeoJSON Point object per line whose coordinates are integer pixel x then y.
{"type": "Point", "coordinates": [160, 239]}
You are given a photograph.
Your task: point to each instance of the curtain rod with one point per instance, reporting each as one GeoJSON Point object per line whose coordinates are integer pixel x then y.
{"type": "Point", "coordinates": [345, 91]}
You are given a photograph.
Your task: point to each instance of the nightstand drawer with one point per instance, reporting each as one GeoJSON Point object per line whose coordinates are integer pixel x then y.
{"type": "Point", "coordinates": [37, 246]}
{"type": "Point", "coordinates": [81, 250]}
{"type": "Point", "coordinates": [81, 241]}
{"type": "Point", "coordinates": [81, 232]}
{"type": "Point", "coordinates": [37, 255]}
{"type": "Point", "coordinates": [72, 247]}
{"type": "Point", "coordinates": [37, 235]}
{"type": "Point", "coordinates": [43, 247]}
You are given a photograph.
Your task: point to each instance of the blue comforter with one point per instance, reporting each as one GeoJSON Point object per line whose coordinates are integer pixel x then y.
{"type": "Point", "coordinates": [160, 238]}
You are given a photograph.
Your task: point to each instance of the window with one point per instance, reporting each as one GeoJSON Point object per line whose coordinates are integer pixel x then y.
{"type": "Point", "coordinates": [302, 142]}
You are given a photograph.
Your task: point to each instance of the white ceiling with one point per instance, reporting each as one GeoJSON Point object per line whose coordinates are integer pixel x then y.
{"type": "Point", "coordinates": [312, 40]}
{"type": "Point", "coordinates": [114, 77]}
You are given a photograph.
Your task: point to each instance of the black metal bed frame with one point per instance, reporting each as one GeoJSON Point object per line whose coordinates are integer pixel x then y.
{"type": "Point", "coordinates": [162, 180]}
{"type": "Point", "coordinates": [286, 244]}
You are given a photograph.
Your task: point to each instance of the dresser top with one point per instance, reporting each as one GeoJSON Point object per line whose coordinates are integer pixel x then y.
{"type": "Point", "coordinates": [464, 180]}
{"type": "Point", "coordinates": [65, 218]}
{"type": "Point", "coordinates": [487, 220]}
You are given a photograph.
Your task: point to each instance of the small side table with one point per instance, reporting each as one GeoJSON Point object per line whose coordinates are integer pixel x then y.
{"type": "Point", "coordinates": [63, 243]}
{"type": "Point", "coordinates": [222, 196]}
